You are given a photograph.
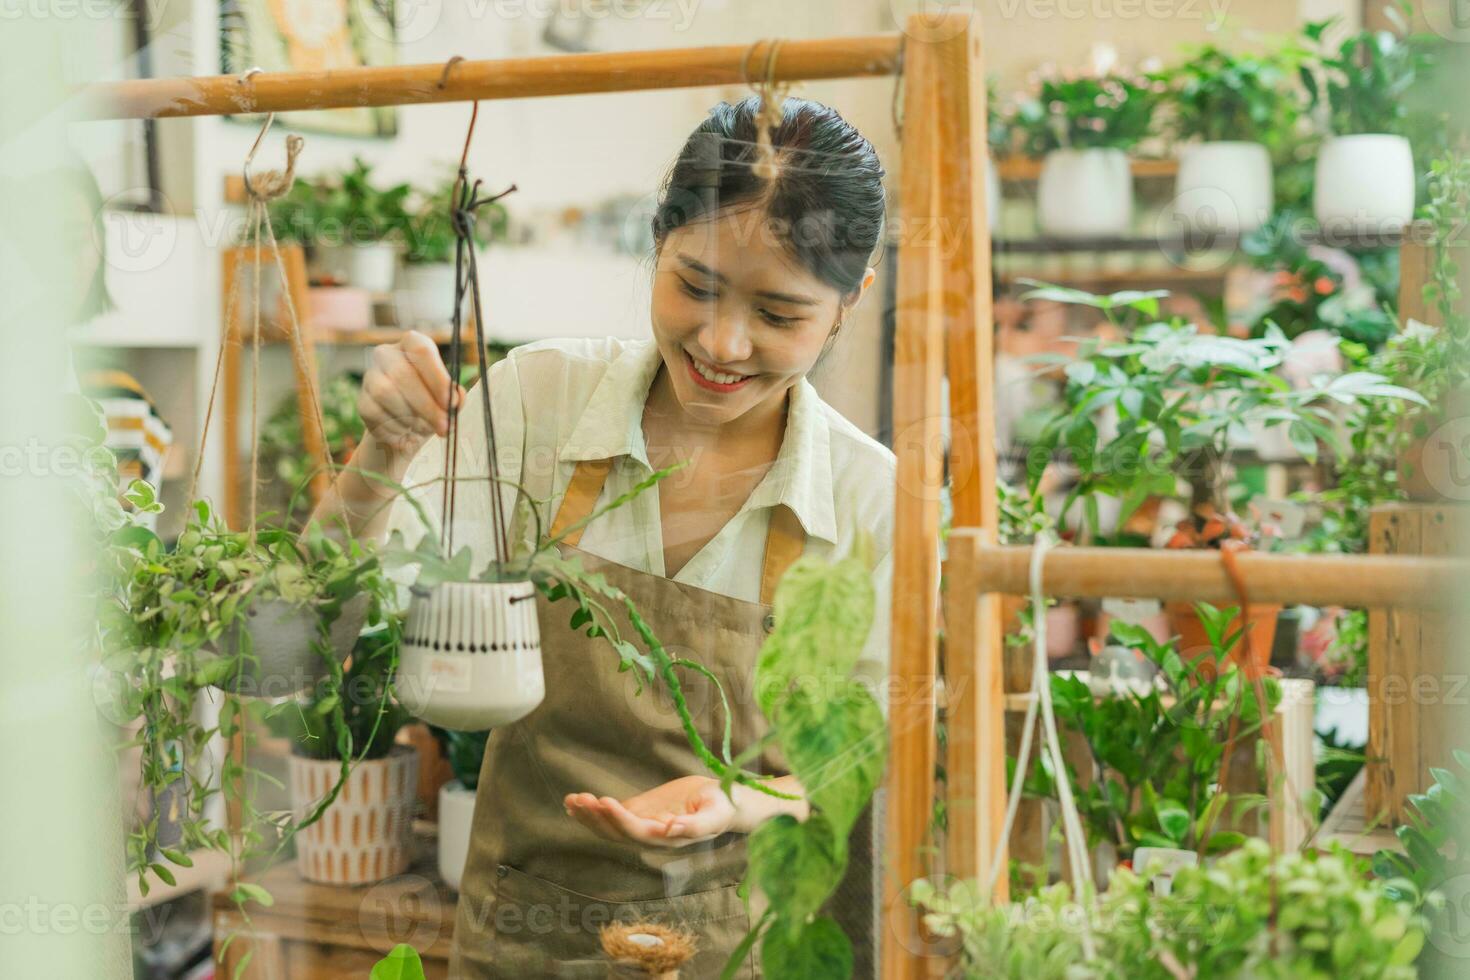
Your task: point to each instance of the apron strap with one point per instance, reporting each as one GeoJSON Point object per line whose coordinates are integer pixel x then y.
{"type": "Point", "coordinates": [784, 540]}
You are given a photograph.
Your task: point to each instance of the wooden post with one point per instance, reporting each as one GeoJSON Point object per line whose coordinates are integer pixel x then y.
{"type": "Point", "coordinates": [308, 391]}
{"type": "Point", "coordinates": [918, 373]}
{"type": "Point", "coordinates": [975, 693]}
{"type": "Point", "coordinates": [1417, 685]}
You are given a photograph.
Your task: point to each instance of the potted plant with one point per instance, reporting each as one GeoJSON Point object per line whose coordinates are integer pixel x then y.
{"type": "Point", "coordinates": [466, 754]}
{"type": "Point", "coordinates": [1156, 754]}
{"type": "Point", "coordinates": [1084, 128]}
{"type": "Point", "coordinates": [1173, 399]}
{"type": "Point", "coordinates": [353, 788]}
{"type": "Point", "coordinates": [1249, 914]}
{"type": "Point", "coordinates": [361, 228]}
{"type": "Point", "coordinates": [428, 293]}
{"type": "Point", "coordinates": [1365, 170]}
{"type": "Point", "coordinates": [1230, 110]}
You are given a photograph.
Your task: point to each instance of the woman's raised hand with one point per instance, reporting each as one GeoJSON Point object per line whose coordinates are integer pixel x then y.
{"type": "Point", "coordinates": [402, 401]}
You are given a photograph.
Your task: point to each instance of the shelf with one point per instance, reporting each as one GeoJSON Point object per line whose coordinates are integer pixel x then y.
{"type": "Point", "coordinates": [1113, 281]}
{"type": "Point", "coordinates": [1021, 169]}
{"type": "Point", "coordinates": [210, 872]}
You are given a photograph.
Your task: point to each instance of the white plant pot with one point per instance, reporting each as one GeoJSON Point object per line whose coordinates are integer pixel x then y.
{"type": "Point", "coordinates": [471, 657]}
{"type": "Point", "coordinates": [1364, 184]}
{"type": "Point", "coordinates": [366, 834]}
{"type": "Point", "coordinates": [1223, 186]}
{"type": "Point", "coordinates": [1085, 194]}
{"type": "Point", "coordinates": [281, 636]}
{"type": "Point", "coordinates": [456, 815]}
{"type": "Point", "coordinates": [427, 296]}
{"type": "Point", "coordinates": [371, 266]}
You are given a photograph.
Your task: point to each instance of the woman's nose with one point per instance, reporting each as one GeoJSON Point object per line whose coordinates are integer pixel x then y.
{"type": "Point", "coordinates": [727, 338]}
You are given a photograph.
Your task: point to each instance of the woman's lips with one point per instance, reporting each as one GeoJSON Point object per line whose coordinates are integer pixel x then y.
{"type": "Point", "coordinates": [706, 383]}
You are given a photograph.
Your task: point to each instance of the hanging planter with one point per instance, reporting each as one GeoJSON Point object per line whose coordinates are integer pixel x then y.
{"type": "Point", "coordinates": [1085, 194]}
{"type": "Point", "coordinates": [365, 835]}
{"type": "Point", "coordinates": [472, 655]}
{"type": "Point", "coordinates": [276, 642]}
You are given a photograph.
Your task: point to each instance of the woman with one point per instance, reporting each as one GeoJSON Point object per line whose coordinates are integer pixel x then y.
{"type": "Point", "coordinates": [594, 808]}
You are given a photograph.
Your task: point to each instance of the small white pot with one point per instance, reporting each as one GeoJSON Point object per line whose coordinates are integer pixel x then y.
{"type": "Point", "coordinates": [1085, 194]}
{"type": "Point", "coordinates": [370, 266]}
{"type": "Point", "coordinates": [1161, 864]}
{"type": "Point", "coordinates": [471, 657]}
{"type": "Point", "coordinates": [1223, 186]}
{"type": "Point", "coordinates": [456, 815]}
{"type": "Point", "coordinates": [427, 296]}
{"type": "Point", "coordinates": [366, 834]}
{"type": "Point", "coordinates": [281, 635]}
{"type": "Point", "coordinates": [1364, 184]}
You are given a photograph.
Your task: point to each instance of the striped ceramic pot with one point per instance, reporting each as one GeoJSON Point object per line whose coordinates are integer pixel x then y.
{"type": "Point", "coordinates": [365, 835]}
{"type": "Point", "coordinates": [471, 656]}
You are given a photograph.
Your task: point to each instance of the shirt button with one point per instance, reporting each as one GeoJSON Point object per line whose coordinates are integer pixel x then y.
{"type": "Point", "coordinates": [500, 871]}
{"type": "Point", "coordinates": [769, 623]}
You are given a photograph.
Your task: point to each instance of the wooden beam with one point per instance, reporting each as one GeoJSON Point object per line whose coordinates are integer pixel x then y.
{"type": "Point", "coordinates": [974, 678]}
{"type": "Point", "coordinates": [917, 377]}
{"type": "Point", "coordinates": [1355, 581]}
{"type": "Point", "coordinates": [510, 78]}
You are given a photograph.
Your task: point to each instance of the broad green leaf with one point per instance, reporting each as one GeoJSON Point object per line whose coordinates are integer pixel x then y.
{"type": "Point", "coordinates": [401, 963]}
{"type": "Point", "coordinates": [836, 748]}
{"type": "Point", "coordinates": [797, 865]}
{"type": "Point", "coordinates": [818, 950]}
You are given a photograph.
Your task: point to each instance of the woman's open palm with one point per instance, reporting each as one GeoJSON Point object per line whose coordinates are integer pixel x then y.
{"type": "Point", "coordinates": [680, 812]}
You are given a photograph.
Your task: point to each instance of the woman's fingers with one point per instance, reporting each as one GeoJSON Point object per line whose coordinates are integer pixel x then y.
{"type": "Point", "coordinates": [585, 808]}
{"type": "Point", "coordinates": [398, 384]}
{"type": "Point", "coordinates": [643, 829]}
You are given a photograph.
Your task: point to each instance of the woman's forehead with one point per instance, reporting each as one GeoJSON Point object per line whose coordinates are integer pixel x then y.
{"type": "Point", "coordinates": [737, 245]}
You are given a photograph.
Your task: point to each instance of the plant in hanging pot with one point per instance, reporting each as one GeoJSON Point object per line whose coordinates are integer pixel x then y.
{"type": "Point", "coordinates": [1364, 181]}
{"type": "Point", "coordinates": [1233, 111]}
{"type": "Point", "coordinates": [466, 753]}
{"type": "Point", "coordinates": [428, 294]}
{"type": "Point", "coordinates": [352, 786]}
{"type": "Point", "coordinates": [1084, 128]}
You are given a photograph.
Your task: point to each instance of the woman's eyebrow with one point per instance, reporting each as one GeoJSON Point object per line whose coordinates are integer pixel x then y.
{"type": "Point", "coordinates": [705, 270]}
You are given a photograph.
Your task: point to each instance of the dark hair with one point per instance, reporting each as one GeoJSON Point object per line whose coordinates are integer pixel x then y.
{"type": "Point", "coordinates": [826, 199]}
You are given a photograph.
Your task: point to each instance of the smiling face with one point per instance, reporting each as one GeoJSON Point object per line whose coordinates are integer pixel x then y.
{"type": "Point", "coordinates": [738, 319]}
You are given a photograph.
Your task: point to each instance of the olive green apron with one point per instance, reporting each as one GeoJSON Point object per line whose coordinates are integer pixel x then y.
{"type": "Point", "coordinates": [538, 885]}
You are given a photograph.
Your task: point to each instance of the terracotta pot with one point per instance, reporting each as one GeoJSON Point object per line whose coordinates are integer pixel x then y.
{"type": "Point", "coordinates": [281, 636]}
{"type": "Point", "coordinates": [366, 834]}
{"type": "Point", "coordinates": [471, 656]}
{"type": "Point", "coordinates": [1194, 645]}
{"type": "Point", "coordinates": [339, 308]}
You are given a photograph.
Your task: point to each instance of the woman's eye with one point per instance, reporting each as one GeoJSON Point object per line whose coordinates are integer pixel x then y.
{"type": "Point", "coordinates": [694, 290]}
{"type": "Point", "coordinates": [778, 321]}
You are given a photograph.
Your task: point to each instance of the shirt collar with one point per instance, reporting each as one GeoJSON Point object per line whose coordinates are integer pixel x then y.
{"type": "Point", "coordinates": [801, 478]}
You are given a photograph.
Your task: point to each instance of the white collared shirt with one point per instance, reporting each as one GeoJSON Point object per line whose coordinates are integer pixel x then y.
{"type": "Point", "coordinates": [570, 400]}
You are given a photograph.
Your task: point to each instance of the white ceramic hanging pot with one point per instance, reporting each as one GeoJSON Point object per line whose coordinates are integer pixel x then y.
{"type": "Point", "coordinates": [471, 657]}
{"type": "Point", "coordinates": [456, 815]}
{"type": "Point", "coordinates": [1364, 184]}
{"type": "Point", "coordinates": [1085, 194]}
{"type": "Point", "coordinates": [366, 833]}
{"type": "Point", "coordinates": [427, 297]}
{"type": "Point", "coordinates": [281, 635]}
{"type": "Point", "coordinates": [1223, 186]}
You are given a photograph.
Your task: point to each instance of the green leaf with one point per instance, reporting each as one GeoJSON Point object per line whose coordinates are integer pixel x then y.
{"type": "Point", "coordinates": [837, 749]}
{"type": "Point", "coordinates": [1174, 820]}
{"type": "Point", "coordinates": [401, 963]}
{"type": "Point", "coordinates": [247, 892]}
{"type": "Point", "coordinates": [164, 874]}
{"type": "Point", "coordinates": [818, 950]}
{"type": "Point", "coordinates": [823, 612]}
{"type": "Point", "coordinates": [797, 865]}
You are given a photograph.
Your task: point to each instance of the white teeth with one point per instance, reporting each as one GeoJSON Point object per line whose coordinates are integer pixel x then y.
{"type": "Point", "coordinates": [716, 377]}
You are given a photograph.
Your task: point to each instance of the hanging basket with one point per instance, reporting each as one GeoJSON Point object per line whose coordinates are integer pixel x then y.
{"type": "Point", "coordinates": [471, 657]}
{"type": "Point", "coordinates": [281, 637]}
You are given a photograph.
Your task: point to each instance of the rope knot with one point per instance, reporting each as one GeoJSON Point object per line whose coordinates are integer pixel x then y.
{"type": "Point", "coordinates": [272, 184]}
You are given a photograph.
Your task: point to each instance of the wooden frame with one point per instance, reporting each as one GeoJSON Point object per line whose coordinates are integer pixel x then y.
{"type": "Point", "coordinates": [943, 319]}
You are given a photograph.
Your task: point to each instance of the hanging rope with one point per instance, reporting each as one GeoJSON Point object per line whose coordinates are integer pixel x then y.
{"type": "Point", "coordinates": [464, 201]}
